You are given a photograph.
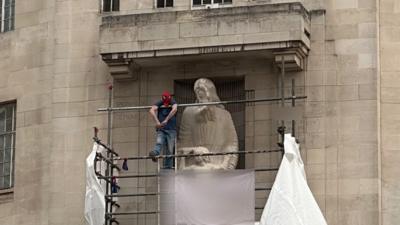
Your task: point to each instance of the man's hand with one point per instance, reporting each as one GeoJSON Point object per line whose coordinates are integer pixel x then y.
{"type": "Point", "coordinates": [159, 125]}
{"type": "Point", "coordinates": [153, 113]}
{"type": "Point", "coordinates": [164, 123]}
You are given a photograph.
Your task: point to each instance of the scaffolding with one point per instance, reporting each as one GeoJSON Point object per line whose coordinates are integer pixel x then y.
{"type": "Point", "coordinates": [112, 157]}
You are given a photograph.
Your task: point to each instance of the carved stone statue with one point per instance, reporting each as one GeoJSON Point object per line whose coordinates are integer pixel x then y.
{"type": "Point", "coordinates": [207, 129]}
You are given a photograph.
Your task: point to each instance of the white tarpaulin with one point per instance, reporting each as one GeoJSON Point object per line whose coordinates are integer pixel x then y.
{"type": "Point", "coordinates": [291, 201]}
{"type": "Point", "coordinates": [211, 198]}
{"type": "Point", "coordinates": [94, 199]}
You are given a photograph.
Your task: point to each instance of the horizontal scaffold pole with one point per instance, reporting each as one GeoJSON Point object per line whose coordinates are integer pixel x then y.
{"type": "Point", "coordinates": [157, 175]}
{"type": "Point", "coordinates": [200, 154]}
{"type": "Point", "coordinates": [110, 150]}
{"type": "Point", "coordinates": [263, 189]}
{"type": "Point", "coordinates": [157, 193]}
{"type": "Point", "coordinates": [130, 108]}
{"type": "Point", "coordinates": [131, 213]}
{"type": "Point", "coordinates": [132, 195]}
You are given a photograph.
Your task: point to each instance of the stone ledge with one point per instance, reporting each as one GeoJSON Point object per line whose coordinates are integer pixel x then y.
{"type": "Point", "coordinates": [128, 40]}
{"type": "Point", "coordinates": [6, 195]}
{"type": "Point", "coordinates": [109, 57]}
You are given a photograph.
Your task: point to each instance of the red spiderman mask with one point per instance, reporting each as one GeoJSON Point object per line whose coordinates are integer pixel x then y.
{"type": "Point", "coordinates": [166, 98]}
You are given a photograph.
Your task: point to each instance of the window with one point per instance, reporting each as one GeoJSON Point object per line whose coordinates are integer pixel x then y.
{"type": "Point", "coordinates": [165, 3]}
{"type": "Point", "coordinates": [207, 2]}
{"type": "Point", "coordinates": [110, 5]}
{"type": "Point", "coordinates": [7, 13]}
{"type": "Point", "coordinates": [7, 144]}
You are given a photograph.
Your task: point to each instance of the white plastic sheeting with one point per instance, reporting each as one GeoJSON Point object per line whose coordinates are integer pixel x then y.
{"type": "Point", "coordinates": [94, 199]}
{"type": "Point", "coordinates": [208, 198]}
{"type": "Point", "coordinates": [291, 201]}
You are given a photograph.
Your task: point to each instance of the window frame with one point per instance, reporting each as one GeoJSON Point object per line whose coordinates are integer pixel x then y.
{"type": "Point", "coordinates": [112, 9]}
{"type": "Point", "coordinates": [165, 4]}
{"type": "Point", "coordinates": [7, 24]}
{"type": "Point", "coordinates": [3, 135]}
{"type": "Point", "coordinates": [212, 2]}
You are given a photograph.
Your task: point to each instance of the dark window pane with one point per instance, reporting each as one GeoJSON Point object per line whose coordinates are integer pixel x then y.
{"type": "Point", "coordinates": [2, 120]}
{"type": "Point", "coordinates": [196, 2]}
{"type": "Point", "coordinates": [8, 139]}
{"type": "Point", "coordinates": [227, 1]}
{"type": "Point", "coordinates": [2, 182]}
{"type": "Point", "coordinates": [1, 6]}
{"type": "Point", "coordinates": [9, 117]}
{"type": "Point", "coordinates": [160, 3]}
{"type": "Point", "coordinates": [7, 155]}
{"type": "Point", "coordinates": [218, 1]}
{"type": "Point", "coordinates": [1, 169]}
{"type": "Point", "coordinates": [7, 7]}
{"type": "Point", "coordinates": [2, 156]}
{"type": "Point", "coordinates": [115, 5]}
{"type": "Point", "coordinates": [13, 15]}
{"type": "Point", "coordinates": [9, 124]}
{"type": "Point", "coordinates": [7, 168]}
{"type": "Point", "coordinates": [170, 3]}
{"type": "Point", "coordinates": [7, 15]}
{"type": "Point", "coordinates": [206, 2]}
{"type": "Point", "coordinates": [2, 138]}
{"type": "Point", "coordinates": [106, 5]}
{"type": "Point", "coordinates": [7, 181]}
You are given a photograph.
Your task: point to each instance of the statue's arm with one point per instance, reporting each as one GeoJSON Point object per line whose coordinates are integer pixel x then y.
{"type": "Point", "coordinates": [185, 137]}
{"type": "Point", "coordinates": [232, 145]}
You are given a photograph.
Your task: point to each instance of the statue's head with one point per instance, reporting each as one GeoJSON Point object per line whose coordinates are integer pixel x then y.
{"type": "Point", "coordinates": [205, 91]}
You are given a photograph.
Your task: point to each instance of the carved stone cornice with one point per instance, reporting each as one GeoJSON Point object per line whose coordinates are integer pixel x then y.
{"type": "Point", "coordinates": [294, 59]}
{"type": "Point", "coordinates": [122, 69]}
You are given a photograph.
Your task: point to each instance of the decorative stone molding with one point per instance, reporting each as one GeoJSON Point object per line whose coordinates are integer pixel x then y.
{"type": "Point", "coordinates": [294, 59]}
{"type": "Point", "coordinates": [122, 69]}
{"type": "Point", "coordinates": [283, 29]}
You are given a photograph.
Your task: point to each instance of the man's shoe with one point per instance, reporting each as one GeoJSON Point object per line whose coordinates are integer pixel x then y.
{"type": "Point", "coordinates": [153, 156]}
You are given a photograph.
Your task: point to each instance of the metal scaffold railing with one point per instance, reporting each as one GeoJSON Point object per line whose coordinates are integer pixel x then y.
{"type": "Point", "coordinates": [111, 216]}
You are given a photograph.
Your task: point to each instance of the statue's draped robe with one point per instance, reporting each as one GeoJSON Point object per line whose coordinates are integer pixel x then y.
{"type": "Point", "coordinates": [213, 129]}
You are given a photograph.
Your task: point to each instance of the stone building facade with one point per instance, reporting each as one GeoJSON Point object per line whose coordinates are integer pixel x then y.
{"type": "Point", "coordinates": [61, 55]}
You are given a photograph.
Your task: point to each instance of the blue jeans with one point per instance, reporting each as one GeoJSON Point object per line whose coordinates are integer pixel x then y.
{"type": "Point", "coordinates": [166, 138]}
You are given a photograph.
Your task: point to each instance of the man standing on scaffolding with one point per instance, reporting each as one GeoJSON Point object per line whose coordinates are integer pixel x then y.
{"type": "Point", "coordinates": [164, 114]}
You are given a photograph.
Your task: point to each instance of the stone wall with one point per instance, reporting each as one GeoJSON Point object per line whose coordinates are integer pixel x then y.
{"type": "Point", "coordinates": [26, 66]}
{"type": "Point", "coordinates": [341, 114]}
{"type": "Point", "coordinates": [389, 43]}
{"type": "Point", "coordinates": [79, 87]}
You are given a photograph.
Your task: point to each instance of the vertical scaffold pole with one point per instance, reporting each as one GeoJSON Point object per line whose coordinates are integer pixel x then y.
{"type": "Point", "coordinates": [175, 158]}
{"type": "Point", "coordinates": [109, 171]}
{"type": "Point", "coordinates": [293, 105]}
{"type": "Point", "coordinates": [158, 191]}
{"type": "Point", "coordinates": [283, 81]}
{"type": "Point", "coordinates": [282, 133]}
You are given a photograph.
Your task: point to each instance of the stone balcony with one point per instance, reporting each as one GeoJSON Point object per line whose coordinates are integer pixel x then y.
{"type": "Point", "coordinates": [280, 30]}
